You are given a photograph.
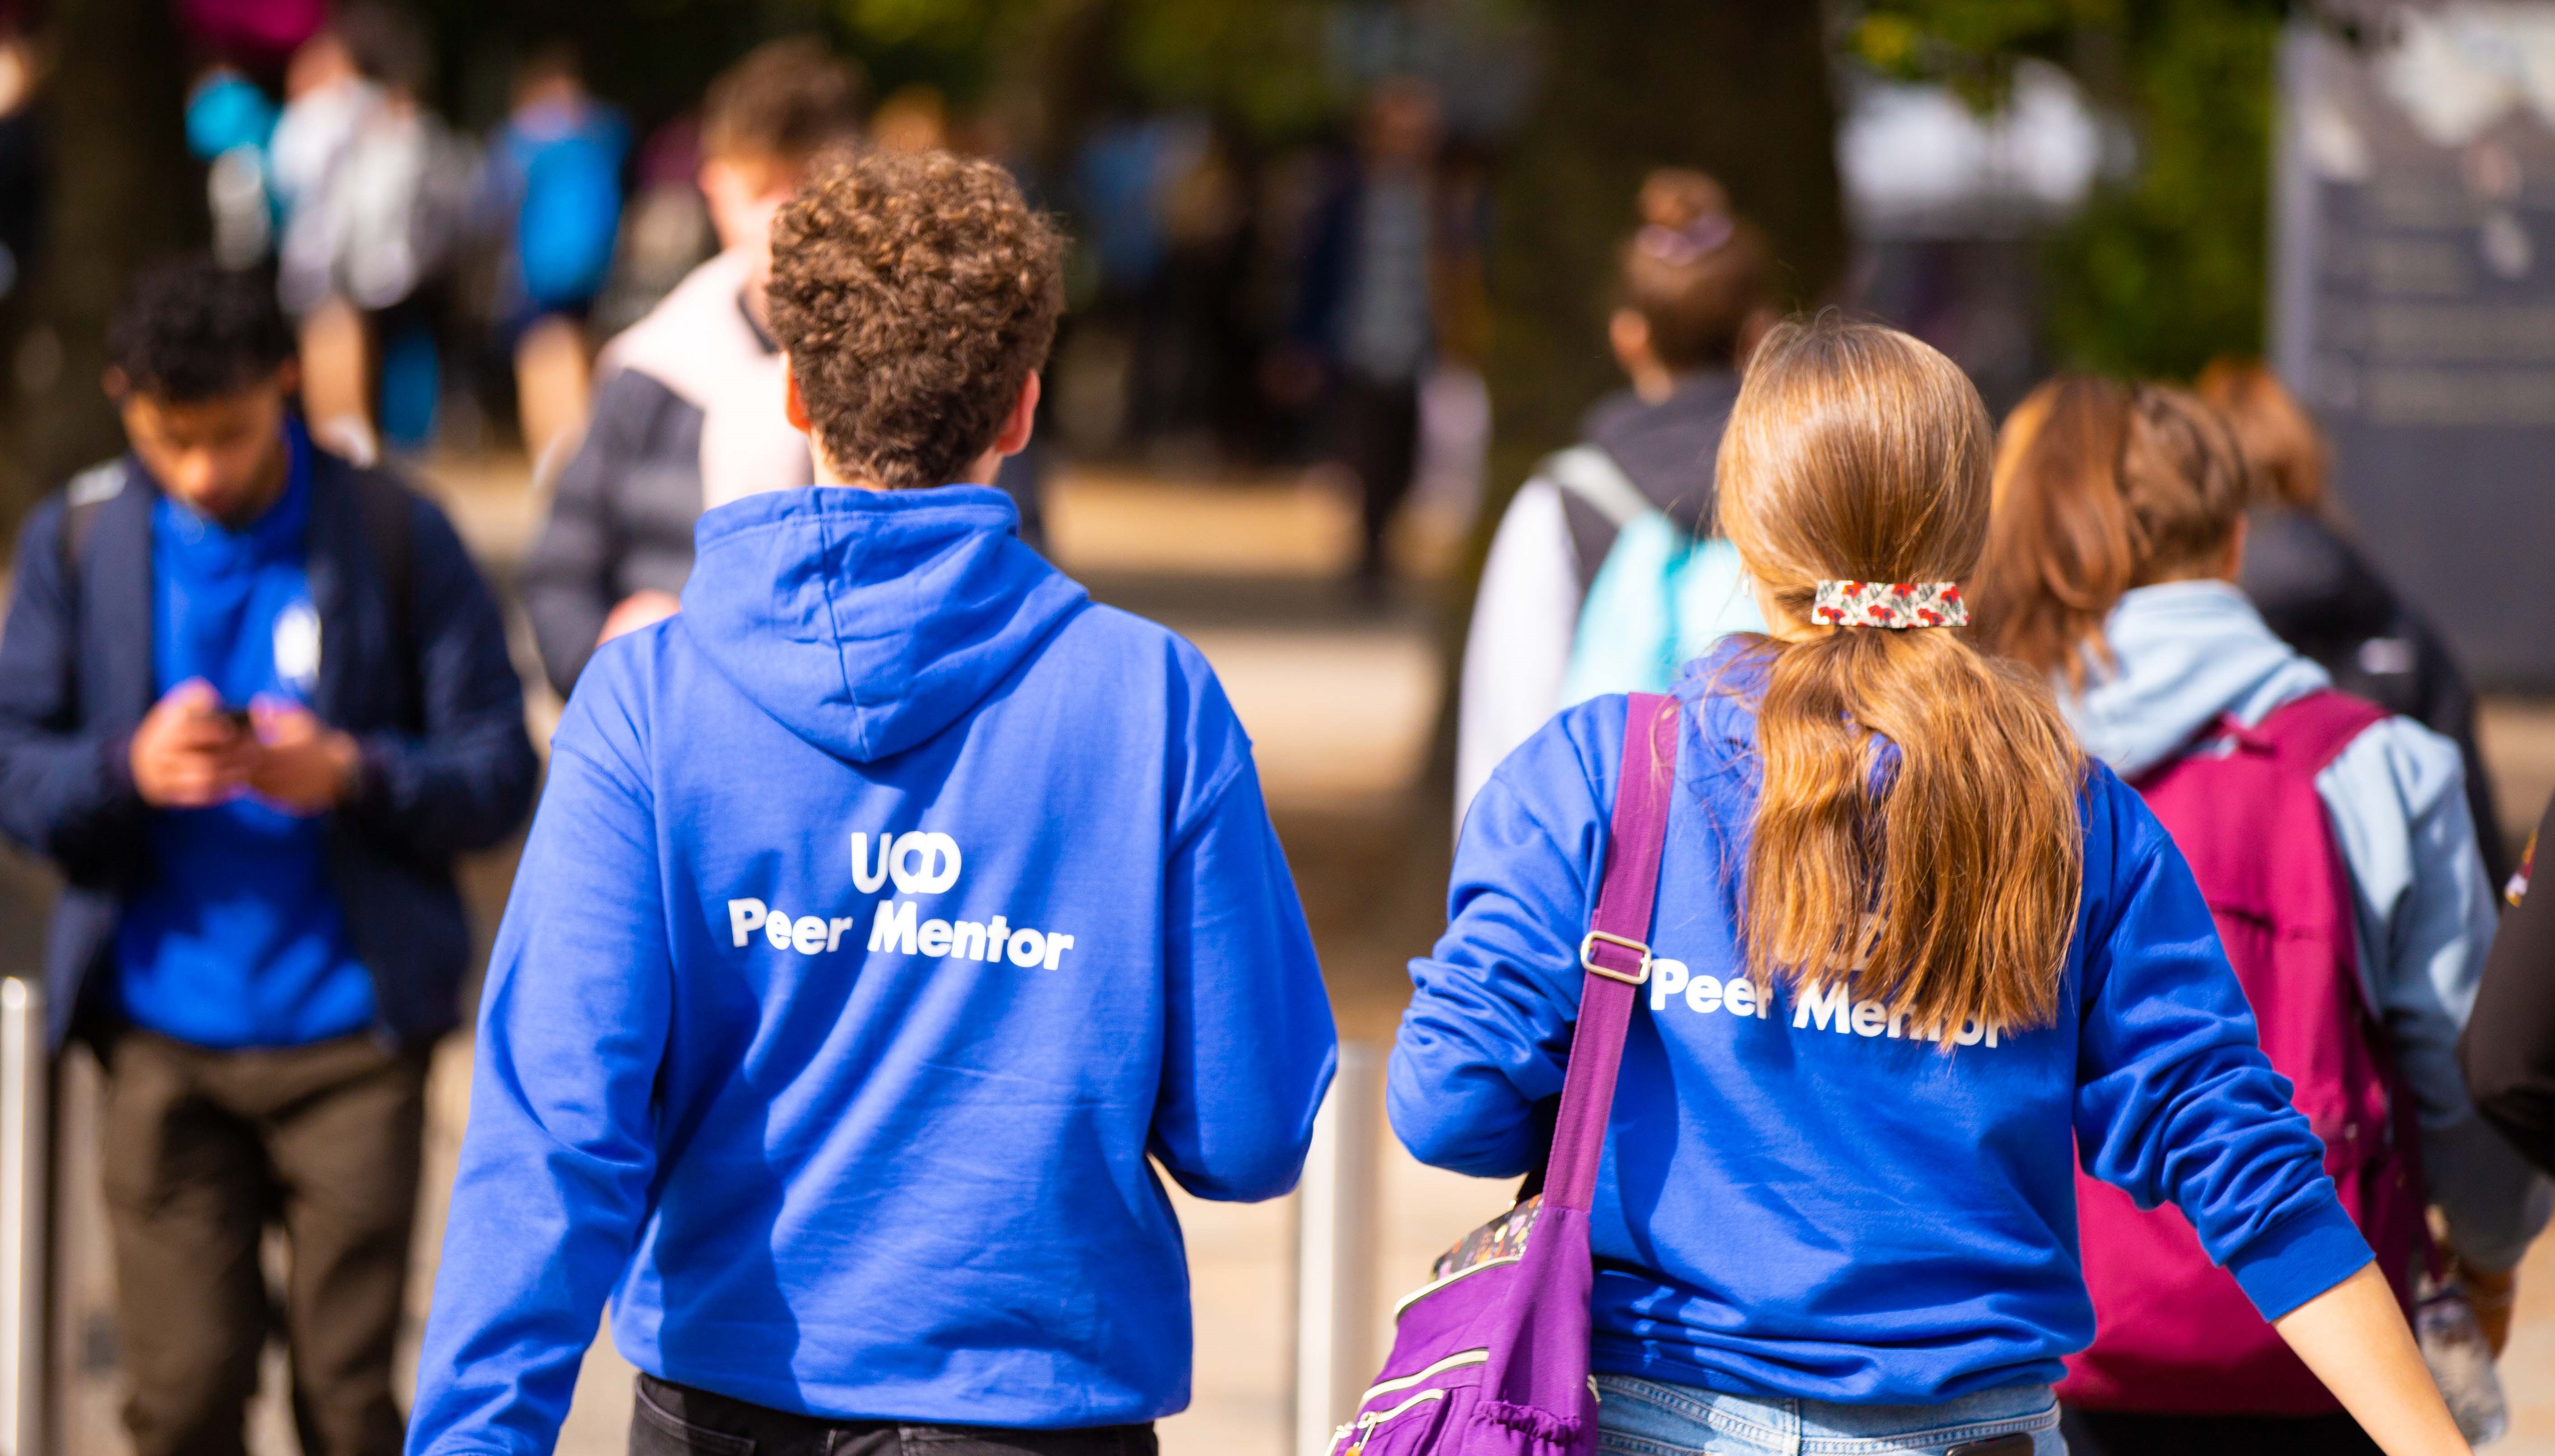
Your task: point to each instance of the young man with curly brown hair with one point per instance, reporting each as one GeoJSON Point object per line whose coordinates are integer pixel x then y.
{"type": "Point", "coordinates": [887, 909]}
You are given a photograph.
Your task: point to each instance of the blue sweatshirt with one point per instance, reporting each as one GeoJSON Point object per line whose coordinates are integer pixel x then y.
{"type": "Point", "coordinates": [1799, 1198]}
{"type": "Point", "coordinates": [883, 913]}
{"type": "Point", "coordinates": [234, 937]}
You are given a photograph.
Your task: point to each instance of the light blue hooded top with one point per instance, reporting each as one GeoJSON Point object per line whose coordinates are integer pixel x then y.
{"type": "Point", "coordinates": [2186, 652]}
{"type": "Point", "coordinates": [886, 912]}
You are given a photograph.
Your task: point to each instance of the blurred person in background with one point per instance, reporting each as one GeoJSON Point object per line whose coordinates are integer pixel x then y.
{"type": "Point", "coordinates": [254, 699]}
{"type": "Point", "coordinates": [1693, 287]}
{"type": "Point", "coordinates": [2335, 848]}
{"type": "Point", "coordinates": [2508, 1050]}
{"type": "Point", "coordinates": [2322, 594]}
{"type": "Point", "coordinates": [687, 415]}
{"type": "Point", "coordinates": [374, 190]}
{"type": "Point", "coordinates": [554, 180]}
{"type": "Point", "coordinates": [24, 187]}
{"type": "Point", "coordinates": [1365, 322]}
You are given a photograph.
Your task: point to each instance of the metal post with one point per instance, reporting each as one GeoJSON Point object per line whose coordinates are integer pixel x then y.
{"type": "Point", "coordinates": [1335, 1251]}
{"type": "Point", "coordinates": [25, 1199]}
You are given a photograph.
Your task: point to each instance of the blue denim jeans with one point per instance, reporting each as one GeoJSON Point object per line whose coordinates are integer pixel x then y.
{"type": "Point", "coordinates": [1639, 1417]}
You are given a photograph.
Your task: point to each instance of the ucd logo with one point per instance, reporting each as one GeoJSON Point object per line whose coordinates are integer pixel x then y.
{"type": "Point", "coordinates": [920, 863]}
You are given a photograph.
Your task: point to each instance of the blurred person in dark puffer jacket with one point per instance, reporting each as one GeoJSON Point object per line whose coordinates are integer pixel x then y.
{"type": "Point", "coordinates": [2323, 596]}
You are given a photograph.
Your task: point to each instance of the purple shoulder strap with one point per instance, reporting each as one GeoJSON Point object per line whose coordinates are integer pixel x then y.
{"type": "Point", "coordinates": [1616, 953]}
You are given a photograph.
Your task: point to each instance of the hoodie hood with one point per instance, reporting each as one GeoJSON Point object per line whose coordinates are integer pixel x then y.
{"type": "Point", "coordinates": [2186, 652]}
{"type": "Point", "coordinates": [868, 621]}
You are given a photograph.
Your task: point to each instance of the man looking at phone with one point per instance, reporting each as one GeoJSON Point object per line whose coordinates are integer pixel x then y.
{"type": "Point", "coordinates": [252, 701]}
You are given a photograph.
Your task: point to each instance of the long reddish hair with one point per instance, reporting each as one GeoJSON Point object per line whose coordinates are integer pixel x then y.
{"type": "Point", "coordinates": [2101, 486]}
{"type": "Point", "coordinates": [1942, 878]}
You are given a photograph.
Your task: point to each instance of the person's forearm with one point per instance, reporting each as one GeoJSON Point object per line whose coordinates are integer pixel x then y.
{"type": "Point", "coordinates": [2354, 1337]}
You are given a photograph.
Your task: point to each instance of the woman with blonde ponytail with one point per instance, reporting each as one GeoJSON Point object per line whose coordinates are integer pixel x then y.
{"type": "Point", "coordinates": [1911, 952]}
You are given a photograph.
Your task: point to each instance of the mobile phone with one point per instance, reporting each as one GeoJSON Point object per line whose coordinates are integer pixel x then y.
{"type": "Point", "coordinates": [2017, 1445]}
{"type": "Point", "coordinates": [236, 717]}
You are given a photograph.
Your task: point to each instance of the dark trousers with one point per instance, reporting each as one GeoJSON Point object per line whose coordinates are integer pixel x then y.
{"type": "Point", "coordinates": [203, 1150]}
{"type": "Point", "coordinates": [668, 1420]}
{"type": "Point", "coordinates": [2122, 1433]}
{"type": "Point", "coordinates": [1378, 427]}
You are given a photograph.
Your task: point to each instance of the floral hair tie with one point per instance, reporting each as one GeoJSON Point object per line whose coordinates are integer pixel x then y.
{"type": "Point", "coordinates": [1896, 605]}
{"type": "Point", "coordinates": [1679, 246]}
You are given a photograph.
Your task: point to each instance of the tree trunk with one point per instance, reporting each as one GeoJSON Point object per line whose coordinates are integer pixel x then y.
{"type": "Point", "coordinates": [122, 192]}
{"type": "Point", "coordinates": [1738, 89]}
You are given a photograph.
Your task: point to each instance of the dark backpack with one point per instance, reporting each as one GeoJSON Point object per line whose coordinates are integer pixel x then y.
{"type": "Point", "coordinates": [2173, 1333]}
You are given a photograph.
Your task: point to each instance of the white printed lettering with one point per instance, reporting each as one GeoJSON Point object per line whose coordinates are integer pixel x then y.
{"type": "Point", "coordinates": [967, 941]}
{"type": "Point", "coordinates": [1897, 1025]}
{"type": "Point", "coordinates": [893, 927]}
{"type": "Point", "coordinates": [1871, 1018]}
{"type": "Point", "coordinates": [869, 880]}
{"type": "Point", "coordinates": [939, 869]}
{"type": "Point", "coordinates": [1739, 996]}
{"type": "Point", "coordinates": [1969, 1034]}
{"type": "Point", "coordinates": [834, 929]}
{"type": "Point", "coordinates": [1703, 994]}
{"type": "Point", "coordinates": [1056, 945]}
{"type": "Point", "coordinates": [743, 915]}
{"type": "Point", "coordinates": [997, 934]}
{"type": "Point", "coordinates": [1668, 978]}
{"type": "Point", "coordinates": [1029, 947]}
{"type": "Point", "coordinates": [933, 937]}
{"type": "Point", "coordinates": [807, 935]}
{"type": "Point", "coordinates": [776, 928]}
{"type": "Point", "coordinates": [1829, 1002]}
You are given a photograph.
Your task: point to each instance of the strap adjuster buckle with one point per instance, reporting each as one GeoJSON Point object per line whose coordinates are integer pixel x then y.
{"type": "Point", "coordinates": [1588, 957]}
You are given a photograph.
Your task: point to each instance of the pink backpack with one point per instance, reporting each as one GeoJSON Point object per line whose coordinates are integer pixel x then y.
{"type": "Point", "coordinates": [2173, 1332]}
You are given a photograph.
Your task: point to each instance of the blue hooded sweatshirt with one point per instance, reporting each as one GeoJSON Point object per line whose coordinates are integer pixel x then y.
{"type": "Point", "coordinates": [1801, 1197]}
{"type": "Point", "coordinates": [885, 911]}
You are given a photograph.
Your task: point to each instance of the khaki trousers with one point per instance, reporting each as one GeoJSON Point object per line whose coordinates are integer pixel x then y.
{"type": "Point", "coordinates": [203, 1150]}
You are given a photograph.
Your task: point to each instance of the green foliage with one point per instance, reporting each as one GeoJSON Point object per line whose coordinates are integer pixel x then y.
{"type": "Point", "coordinates": [2165, 267]}
{"type": "Point", "coordinates": [1260, 62]}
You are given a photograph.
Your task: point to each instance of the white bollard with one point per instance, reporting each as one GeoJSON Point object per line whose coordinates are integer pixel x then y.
{"type": "Point", "coordinates": [25, 1197]}
{"type": "Point", "coordinates": [1335, 1244]}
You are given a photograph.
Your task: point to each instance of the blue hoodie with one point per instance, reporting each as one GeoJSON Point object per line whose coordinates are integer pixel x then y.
{"type": "Point", "coordinates": [1800, 1199]}
{"type": "Point", "coordinates": [2185, 654]}
{"type": "Point", "coordinates": [885, 911]}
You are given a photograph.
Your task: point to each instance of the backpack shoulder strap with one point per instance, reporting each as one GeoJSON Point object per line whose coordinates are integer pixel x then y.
{"type": "Point", "coordinates": [83, 498]}
{"type": "Point", "coordinates": [386, 510]}
{"type": "Point", "coordinates": [1593, 476]}
{"type": "Point", "coordinates": [2312, 731]}
{"type": "Point", "coordinates": [1616, 952]}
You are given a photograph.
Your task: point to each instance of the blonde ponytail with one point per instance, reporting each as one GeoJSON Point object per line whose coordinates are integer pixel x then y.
{"type": "Point", "coordinates": [1943, 879]}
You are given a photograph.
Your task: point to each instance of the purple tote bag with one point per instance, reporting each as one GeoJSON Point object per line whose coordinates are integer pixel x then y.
{"type": "Point", "coordinates": [1491, 1359]}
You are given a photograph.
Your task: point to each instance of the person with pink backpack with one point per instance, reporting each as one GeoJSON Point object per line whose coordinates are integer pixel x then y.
{"type": "Point", "coordinates": [2333, 844]}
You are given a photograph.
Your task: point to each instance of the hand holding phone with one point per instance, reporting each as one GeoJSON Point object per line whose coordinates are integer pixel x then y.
{"type": "Point", "coordinates": [189, 751]}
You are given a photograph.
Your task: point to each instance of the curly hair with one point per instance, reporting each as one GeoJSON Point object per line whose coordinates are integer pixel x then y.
{"type": "Point", "coordinates": [188, 329]}
{"type": "Point", "coordinates": [916, 293]}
